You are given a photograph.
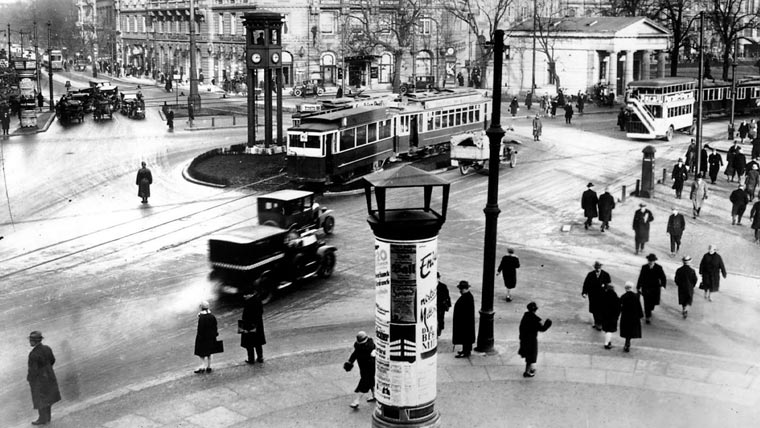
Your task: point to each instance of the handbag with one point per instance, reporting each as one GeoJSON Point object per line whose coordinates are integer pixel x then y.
{"type": "Point", "coordinates": [218, 347]}
{"type": "Point", "coordinates": [347, 366]}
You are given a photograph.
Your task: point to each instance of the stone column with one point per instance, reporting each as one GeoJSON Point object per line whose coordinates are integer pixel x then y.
{"type": "Point", "coordinates": [628, 70]}
{"type": "Point", "coordinates": [661, 63]}
{"type": "Point", "coordinates": [645, 65]}
{"type": "Point", "coordinates": [612, 71]}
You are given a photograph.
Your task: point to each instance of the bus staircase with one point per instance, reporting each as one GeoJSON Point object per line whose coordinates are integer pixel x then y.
{"type": "Point", "coordinates": [645, 122]}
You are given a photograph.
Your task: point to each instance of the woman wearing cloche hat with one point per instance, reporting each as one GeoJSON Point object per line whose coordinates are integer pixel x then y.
{"type": "Point", "coordinates": [364, 355]}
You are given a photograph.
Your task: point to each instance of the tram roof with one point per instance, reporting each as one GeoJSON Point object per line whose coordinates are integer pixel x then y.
{"type": "Point", "coordinates": [662, 82]}
{"type": "Point", "coordinates": [286, 195]}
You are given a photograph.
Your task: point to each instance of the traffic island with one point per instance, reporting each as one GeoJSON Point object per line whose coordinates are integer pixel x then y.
{"type": "Point", "coordinates": [44, 119]}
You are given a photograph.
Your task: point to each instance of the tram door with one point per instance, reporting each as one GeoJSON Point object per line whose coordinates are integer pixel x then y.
{"type": "Point", "coordinates": [414, 135]}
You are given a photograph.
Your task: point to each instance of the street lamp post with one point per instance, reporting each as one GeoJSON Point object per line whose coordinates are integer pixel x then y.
{"type": "Point", "coordinates": [194, 99]}
{"type": "Point", "coordinates": [37, 58]}
{"type": "Point", "coordinates": [700, 85]}
{"type": "Point", "coordinates": [533, 74]}
{"type": "Point", "coordinates": [50, 69]}
{"type": "Point", "coordinates": [733, 79]}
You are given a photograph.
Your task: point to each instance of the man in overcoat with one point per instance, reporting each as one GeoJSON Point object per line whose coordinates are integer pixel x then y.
{"type": "Point", "coordinates": [698, 195]}
{"type": "Point", "coordinates": [679, 175]}
{"type": "Point", "coordinates": [537, 128]}
{"type": "Point", "coordinates": [730, 173]}
{"type": "Point", "coordinates": [641, 219]}
{"type": "Point", "coordinates": [739, 201]}
{"type": "Point", "coordinates": [443, 302]}
{"type": "Point", "coordinates": [676, 226]}
{"type": "Point", "coordinates": [464, 321]}
{"type": "Point", "coordinates": [715, 161]}
{"type": "Point", "coordinates": [5, 117]}
{"type": "Point", "coordinates": [686, 280]}
{"type": "Point", "coordinates": [711, 267]}
{"type": "Point", "coordinates": [739, 162]}
{"type": "Point", "coordinates": [651, 279]}
{"type": "Point", "coordinates": [610, 314]}
{"type": "Point", "coordinates": [509, 265]}
{"type": "Point", "coordinates": [251, 328]}
{"type": "Point", "coordinates": [589, 202]}
{"type": "Point", "coordinates": [754, 216]}
{"type": "Point", "coordinates": [143, 182]}
{"type": "Point", "coordinates": [630, 316]}
{"type": "Point", "coordinates": [530, 325]}
{"type": "Point", "coordinates": [593, 286]}
{"type": "Point", "coordinates": [606, 205]}
{"type": "Point", "coordinates": [41, 378]}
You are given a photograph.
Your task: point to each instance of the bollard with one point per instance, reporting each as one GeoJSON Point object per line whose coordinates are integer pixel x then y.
{"type": "Point", "coordinates": [622, 199]}
{"type": "Point", "coordinates": [638, 183]}
{"type": "Point", "coordinates": [212, 121]}
{"type": "Point", "coordinates": [664, 175]}
{"type": "Point", "coordinates": [233, 120]}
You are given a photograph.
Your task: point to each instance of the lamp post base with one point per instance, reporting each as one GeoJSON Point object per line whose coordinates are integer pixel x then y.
{"type": "Point", "coordinates": [485, 333]}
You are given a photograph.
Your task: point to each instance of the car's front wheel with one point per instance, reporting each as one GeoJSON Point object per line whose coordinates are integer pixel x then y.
{"type": "Point", "coordinates": [265, 287]}
{"type": "Point", "coordinates": [297, 92]}
{"type": "Point", "coordinates": [328, 264]}
{"type": "Point", "coordinates": [328, 225]}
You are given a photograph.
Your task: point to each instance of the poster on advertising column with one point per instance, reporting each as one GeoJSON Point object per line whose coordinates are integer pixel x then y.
{"type": "Point", "coordinates": [405, 318]}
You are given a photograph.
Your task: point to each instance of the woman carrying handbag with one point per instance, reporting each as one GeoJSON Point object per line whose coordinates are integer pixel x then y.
{"type": "Point", "coordinates": [205, 339]}
{"type": "Point", "coordinates": [364, 354]}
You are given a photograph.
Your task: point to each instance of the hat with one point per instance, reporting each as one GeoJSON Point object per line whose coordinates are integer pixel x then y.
{"type": "Point", "coordinates": [532, 306]}
{"type": "Point", "coordinates": [590, 185]}
{"type": "Point", "coordinates": [642, 205]}
{"type": "Point", "coordinates": [674, 208]}
{"type": "Point", "coordinates": [628, 285]}
{"type": "Point", "coordinates": [680, 159]}
{"type": "Point", "coordinates": [510, 250]}
{"type": "Point", "coordinates": [597, 264]}
{"type": "Point", "coordinates": [204, 304]}
{"type": "Point", "coordinates": [651, 257]}
{"type": "Point", "coordinates": [686, 258]}
{"type": "Point", "coordinates": [361, 337]}
{"type": "Point", "coordinates": [35, 335]}
{"type": "Point", "coordinates": [463, 284]}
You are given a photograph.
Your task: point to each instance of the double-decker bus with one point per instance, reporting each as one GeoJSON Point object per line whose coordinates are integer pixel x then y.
{"type": "Point", "coordinates": [341, 144]}
{"type": "Point", "coordinates": [659, 107]}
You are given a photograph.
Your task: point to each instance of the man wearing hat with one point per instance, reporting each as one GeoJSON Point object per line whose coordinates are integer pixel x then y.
{"type": "Point", "coordinates": [676, 226]}
{"type": "Point", "coordinates": [593, 286]}
{"type": "Point", "coordinates": [41, 378]}
{"type": "Point", "coordinates": [739, 201]}
{"type": "Point", "coordinates": [711, 267]}
{"type": "Point", "coordinates": [606, 205]}
{"type": "Point", "coordinates": [641, 219]}
{"type": "Point", "coordinates": [630, 316]}
{"type": "Point", "coordinates": [589, 202]}
{"type": "Point", "coordinates": [651, 279]}
{"type": "Point", "coordinates": [530, 325]}
{"type": "Point", "coordinates": [686, 280]}
{"type": "Point", "coordinates": [698, 195]}
{"type": "Point", "coordinates": [739, 162]}
{"type": "Point", "coordinates": [715, 161]}
{"type": "Point", "coordinates": [464, 321]}
{"type": "Point", "coordinates": [679, 175]}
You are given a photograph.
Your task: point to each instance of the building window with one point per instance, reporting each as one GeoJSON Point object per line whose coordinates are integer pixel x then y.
{"type": "Point", "coordinates": [327, 23]}
{"type": "Point", "coordinates": [233, 24]}
{"type": "Point", "coordinates": [177, 27]}
{"type": "Point", "coordinates": [386, 68]}
{"type": "Point", "coordinates": [426, 25]}
{"type": "Point", "coordinates": [142, 25]}
{"type": "Point", "coordinates": [220, 24]}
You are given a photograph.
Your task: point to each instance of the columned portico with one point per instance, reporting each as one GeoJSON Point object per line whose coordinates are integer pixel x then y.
{"type": "Point", "coordinates": [645, 65]}
{"type": "Point", "coordinates": [661, 63]}
{"type": "Point", "coordinates": [612, 67]}
{"type": "Point", "coordinates": [628, 70]}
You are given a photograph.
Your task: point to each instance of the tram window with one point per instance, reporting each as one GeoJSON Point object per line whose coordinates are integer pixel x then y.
{"type": "Point", "coordinates": [430, 123]}
{"type": "Point", "coordinates": [371, 132]}
{"type": "Point", "coordinates": [437, 120]}
{"type": "Point", "coordinates": [470, 115]}
{"type": "Point", "coordinates": [445, 121]}
{"type": "Point", "coordinates": [361, 135]}
{"type": "Point", "coordinates": [385, 129]}
{"type": "Point", "coordinates": [477, 115]}
{"type": "Point", "coordinates": [294, 141]}
{"type": "Point", "coordinates": [313, 141]}
{"type": "Point", "coordinates": [458, 117]}
{"type": "Point", "coordinates": [328, 143]}
{"type": "Point", "coordinates": [419, 123]}
{"type": "Point", "coordinates": [347, 139]}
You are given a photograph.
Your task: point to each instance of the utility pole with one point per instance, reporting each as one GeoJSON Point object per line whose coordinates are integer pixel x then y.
{"type": "Point", "coordinates": [535, 18]}
{"type": "Point", "coordinates": [50, 70]}
{"type": "Point", "coordinates": [37, 58]}
{"type": "Point", "coordinates": [733, 78]}
{"type": "Point", "coordinates": [194, 99]}
{"type": "Point", "coordinates": [9, 44]}
{"type": "Point", "coordinates": [700, 86]}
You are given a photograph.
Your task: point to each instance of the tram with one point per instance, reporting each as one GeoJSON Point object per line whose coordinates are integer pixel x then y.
{"type": "Point", "coordinates": [338, 145]}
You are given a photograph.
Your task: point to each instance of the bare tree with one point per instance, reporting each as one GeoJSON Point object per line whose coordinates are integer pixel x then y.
{"type": "Point", "coordinates": [548, 21]}
{"type": "Point", "coordinates": [729, 18]}
{"type": "Point", "coordinates": [674, 14]}
{"type": "Point", "coordinates": [630, 8]}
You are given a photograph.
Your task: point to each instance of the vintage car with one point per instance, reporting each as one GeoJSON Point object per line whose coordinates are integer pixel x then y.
{"type": "Point", "coordinates": [68, 110]}
{"type": "Point", "coordinates": [294, 209]}
{"type": "Point", "coordinates": [84, 97]}
{"type": "Point", "coordinates": [308, 87]}
{"type": "Point", "coordinates": [416, 84]}
{"type": "Point", "coordinates": [267, 259]}
{"type": "Point", "coordinates": [103, 109]}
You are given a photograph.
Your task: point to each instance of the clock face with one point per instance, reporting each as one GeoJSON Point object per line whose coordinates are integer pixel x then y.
{"type": "Point", "coordinates": [275, 57]}
{"type": "Point", "coordinates": [256, 58]}
{"type": "Point", "coordinates": [450, 51]}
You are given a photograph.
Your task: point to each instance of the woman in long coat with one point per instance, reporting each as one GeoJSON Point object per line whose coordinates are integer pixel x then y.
{"type": "Point", "coordinates": [679, 175]}
{"type": "Point", "coordinates": [711, 267]}
{"type": "Point", "coordinates": [754, 216]}
{"type": "Point", "coordinates": [252, 335]}
{"type": "Point", "coordinates": [630, 316]}
{"type": "Point", "coordinates": [205, 338]}
{"type": "Point", "coordinates": [686, 280]}
{"type": "Point", "coordinates": [606, 205]}
{"type": "Point", "coordinates": [610, 314]}
{"type": "Point", "coordinates": [463, 325]}
{"type": "Point", "coordinates": [364, 355]}
{"type": "Point", "coordinates": [508, 268]}
{"type": "Point", "coordinates": [143, 182]}
{"type": "Point", "coordinates": [514, 106]}
{"type": "Point", "coordinates": [530, 325]}
{"type": "Point", "coordinates": [641, 219]}
{"type": "Point", "coordinates": [751, 182]}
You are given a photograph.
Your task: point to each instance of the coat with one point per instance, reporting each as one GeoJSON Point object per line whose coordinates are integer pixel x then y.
{"type": "Point", "coordinates": [205, 338]}
{"type": "Point", "coordinates": [730, 160]}
{"type": "Point", "coordinates": [514, 106]}
{"type": "Point", "coordinates": [443, 302]}
{"type": "Point", "coordinates": [508, 268]}
{"type": "Point", "coordinates": [715, 161]}
{"type": "Point", "coordinates": [651, 280]}
{"type": "Point", "coordinates": [743, 130]}
{"type": "Point", "coordinates": [676, 224]}
{"type": "Point", "coordinates": [641, 222]}
{"type": "Point", "coordinates": [686, 280]}
{"type": "Point", "coordinates": [753, 176]}
{"type": "Point", "coordinates": [711, 267]}
{"type": "Point", "coordinates": [6, 120]}
{"type": "Point", "coordinates": [464, 320]}
{"type": "Point", "coordinates": [703, 161]}
{"type": "Point", "coordinates": [606, 204]}
{"type": "Point", "coordinates": [593, 286]}
{"type": "Point", "coordinates": [739, 163]}
{"type": "Point", "coordinates": [630, 315]}
{"type": "Point", "coordinates": [537, 127]}
{"type": "Point", "coordinates": [41, 377]}
{"type": "Point", "coordinates": [253, 324]}
{"type": "Point", "coordinates": [143, 182]}
{"type": "Point", "coordinates": [698, 193]}
{"type": "Point", "coordinates": [530, 325]}
{"type": "Point", "coordinates": [363, 355]}
{"type": "Point", "coordinates": [679, 175]}
{"type": "Point", "coordinates": [739, 200]}
{"type": "Point", "coordinates": [610, 310]}
{"type": "Point", "coordinates": [754, 215]}
{"type": "Point", "coordinates": [755, 148]}
{"type": "Point", "coordinates": [589, 202]}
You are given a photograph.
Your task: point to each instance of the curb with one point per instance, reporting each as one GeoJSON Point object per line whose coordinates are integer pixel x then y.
{"type": "Point", "coordinates": [44, 128]}
{"type": "Point", "coordinates": [186, 175]}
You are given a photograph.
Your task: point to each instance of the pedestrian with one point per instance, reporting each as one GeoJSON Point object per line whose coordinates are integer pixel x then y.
{"type": "Point", "coordinates": [730, 172]}
{"type": "Point", "coordinates": [40, 100]}
{"type": "Point", "coordinates": [6, 120]}
{"type": "Point", "coordinates": [205, 338]}
{"type": "Point", "coordinates": [679, 175]}
{"type": "Point", "coordinates": [606, 204]}
{"type": "Point", "coordinates": [711, 267]}
{"type": "Point", "coordinates": [190, 114]}
{"type": "Point", "coordinates": [740, 162]}
{"type": "Point", "coordinates": [339, 93]}
{"type": "Point", "coordinates": [530, 325]}
{"type": "Point", "coordinates": [686, 280]}
{"type": "Point", "coordinates": [715, 161]}
{"type": "Point", "coordinates": [514, 106]}
{"type": "Point", "coordinates": [743, 131]}
{"type": "Point", "coordinates": [621, 119]}
{"type": "Point", "coordinates": [593, 285]}
{"type": "Point", "coordinates": [754, 216]}
{"type": "Point", "coordinates": [464, 321]}
{"type": "Point", "coordinates": [509, 265]}
{"type": "Point", "coordinates": [752, 179]}
{"type": "Point", "coordinates": [739, 201]}
{"type": "Point", "coordinates": [143, 182]}
{"type": "Point", "coordinates": [610, 314]}
{"type": "Point", "coordinates": [641, 219]}
{"type": "Point", "coordinates": [651, 279]}
{"type": "Point", "coordinates": [731, 131]}
{"type": "Point", "coordinates": [545, 104]}
{"type": "Point", "coordinates": [589, 203]}
{"type": "Point", "coordinates": [443, 301]}
{"type": "Point", "coordinates": [703, 161]}
{"type": "Point", "coordinates": [251, 328]}
{"type": "Point", "coordinates": [553, 108]}
{"type": "Point", "coordinates": [581, 101]}
{"type": "Point", "coordinates": [364, 355]}
{"type": "Point", "coordinates": [568, 113]}
{"type": "Point", "coordinates": [460, 79]}
{"type": "Point", "coordinates": [698, 195]}
{"type": "Point", "coordinates": [755, 154]}
{"type": "Point", "coordinates": [529, 100]}
{"type": "Point", "coordinates": [752, 134]}
{"type": "Point", "coordinates": [41, 378]}
{"type": "Point", "coordinates": [691, 156]}
{"type": "Point", "coordinates": [676, 226]}
{"type": "Point", "coordinates": [630, 316]}
{"type": "Point", "coordinates": [170, 119]}
{"type": "Point", "coordinates": [537, 128]}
